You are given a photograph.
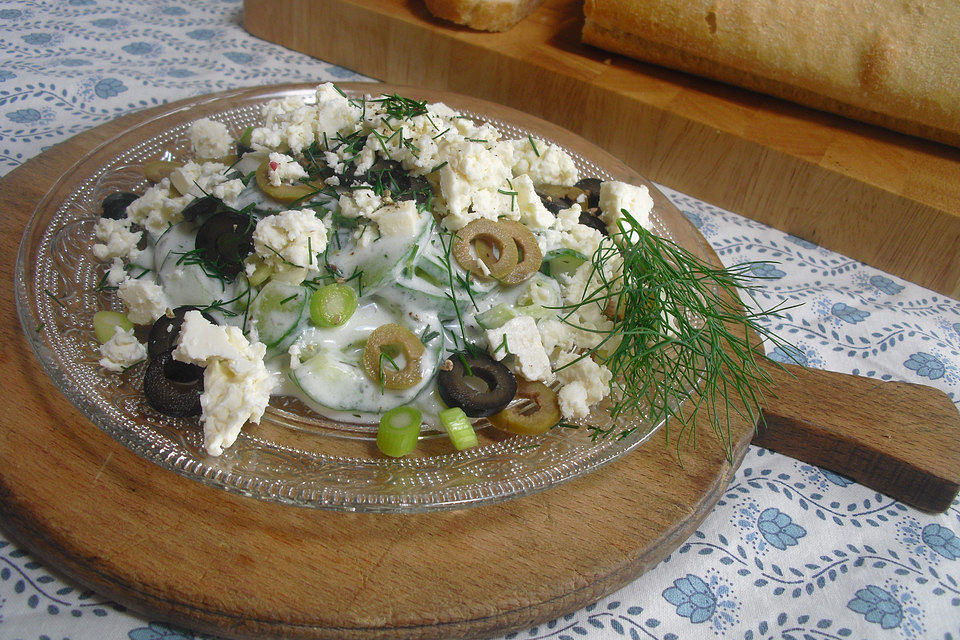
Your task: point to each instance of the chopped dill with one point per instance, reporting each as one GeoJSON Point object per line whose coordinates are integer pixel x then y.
{"type": "Point", "coordinates": [102, 286]}
{"type": "Point", "coordinates": [677, 326]}
{"type": "Point", "coordinates": [534, 145]}
{"type": "Point", "coordinates": [54, 298]}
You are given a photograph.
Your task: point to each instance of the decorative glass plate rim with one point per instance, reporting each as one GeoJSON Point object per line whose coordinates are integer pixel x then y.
{"type": "Point", "coordinates": [36, 308]}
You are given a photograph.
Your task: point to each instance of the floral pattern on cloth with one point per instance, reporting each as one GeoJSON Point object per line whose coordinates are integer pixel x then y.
{"type": "Point", "coordinates": [790, 551]}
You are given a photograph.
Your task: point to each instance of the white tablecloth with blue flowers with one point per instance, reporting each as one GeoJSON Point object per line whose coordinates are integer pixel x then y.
{"type": "Point", "coordinates": [791, 550]}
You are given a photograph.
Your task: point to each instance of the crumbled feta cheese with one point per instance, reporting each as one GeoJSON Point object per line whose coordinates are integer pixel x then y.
{"type": "Point", "coordinates": [228, 191]}
{"type": "Point", "coordinates": [618, 196]}
{"type": "Point", "coordinates": [119, 240]}
{"type": "Point", "coordinates": [121, 351]}
{"type": "Point", "coordinates": [359, 202]}
{"type": "Point", "coordinates": [116, 273]}
{"type": "Point", "coordinates": [145, 299]}
{"type": "Point", "coordinates": [474, 173]}
{"type": "Point", "coordinates": [399, 220]}
{"type": "Point", "coordinates": [197, 179]}
{"type": "Point", "coordinates": [265, 138]}
{"type": "Point", "coordinates": [282, 169]}
{"type": "Point", "coordinates": [288, 125]}
{"type": "Point", "coordinates": [210, 139]}
{"type": "Point", "coordinates": [545, 163]}
{"type": "Point", "coordinates": [290, 240]}
{"type": "Point", "coordinates": [529, 206]}
{"type": "Point", "coordinates": [158, 208]}
{"type": "Point", "coordinates": [583, 384]}
{"type": "Point", "coordinates": [236, 383]}
{"type": "Point", "coordinates": [519, 337]}
{"type": "Point", "coordinates": [335, 113]}
{"type": "Point", "coordinates": [590, 324]}
{"type": "Point", "coordinates": [566, 232]}
{"type": "Point", "coordinates": [556, 335]}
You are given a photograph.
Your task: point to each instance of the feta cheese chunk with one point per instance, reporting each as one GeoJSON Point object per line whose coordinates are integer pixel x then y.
{"type": "Point", "coordinates": [359, 202]}
{"type": "Point", "coordinates": [528, 206]}
{"type": "Point", "coordinates": [470, 182]}
{"type": "Point", "coordinates": [236, 383]}
{"type": "Point", "coordinates": [197, 179]}
{"type": "Point", "coordinates": [400, 220]}
{"type": "Point", "coordinates": [335, 113]}
{"type": "Point", "coordinates": [545, 163]}
{"type": "Point", "coordinates": [121, 351]}
{"type": "Point", "coordinates": [288, 124]}
{"type": "Point", "coordinates": [116, 273]}
{"type": "Point", "coordinates": [282, 169]}
{"type": "Point", "coordinates": [290, 240]}
{"type": "Point", "coordinates": [618, 196]}
{"type": "Point", "coordinates": [519, 336]}
{"type": "Point", "coordinates": [145, 299]}
{"type": "Point", "coordinates": [210, 139]}
{"type": "Point", "coordinates": [158, 208]}
{"type": "Point", "coordinates": [583, 384]}
{"type": "Point", "coordinates": [118, 240]}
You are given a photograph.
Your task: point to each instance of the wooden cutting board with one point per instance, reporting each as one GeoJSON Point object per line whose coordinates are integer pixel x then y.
{"type": "Point", "coordinates": [193, 555]}
{"type": "Point", "coordinates": [883, 198]}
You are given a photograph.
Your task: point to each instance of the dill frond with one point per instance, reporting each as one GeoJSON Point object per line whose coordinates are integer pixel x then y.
{"type": "Point", "coordinates": [679, 334]}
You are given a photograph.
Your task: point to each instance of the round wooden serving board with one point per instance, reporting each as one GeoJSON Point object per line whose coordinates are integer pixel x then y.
{"type": "Point", "coordinates": [198, 556]}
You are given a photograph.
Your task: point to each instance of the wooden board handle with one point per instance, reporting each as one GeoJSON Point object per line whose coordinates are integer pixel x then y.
{"type": "Point", "coordinates": [899, 438]}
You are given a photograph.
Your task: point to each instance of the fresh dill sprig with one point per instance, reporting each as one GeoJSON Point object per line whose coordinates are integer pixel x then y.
{"type": "Point", "coordinates": [679, 332]}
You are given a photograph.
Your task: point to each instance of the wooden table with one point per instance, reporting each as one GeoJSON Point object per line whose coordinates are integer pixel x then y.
{"type": "Point", "coordinates": [886, 199]}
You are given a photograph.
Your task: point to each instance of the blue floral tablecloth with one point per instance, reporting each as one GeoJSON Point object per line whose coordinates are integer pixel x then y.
{"type": "Point", "coordinates": [791, 550]}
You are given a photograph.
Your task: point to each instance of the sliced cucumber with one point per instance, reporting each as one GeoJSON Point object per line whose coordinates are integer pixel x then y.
{"type": "Point", "coordinates": [183, 279]}
{"type": "Point", "coordinates": [562, 260]}
{"type": "Point", "coordinates": [334, 380]}
{"type": "Point", "coordinates": [279, 311]}
{"type": "Point", "coordinates": [497, 316]}
{"type": "Point", "coordinates": [106, 323]}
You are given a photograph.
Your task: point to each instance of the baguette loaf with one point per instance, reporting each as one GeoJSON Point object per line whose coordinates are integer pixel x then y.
{"type": "Point", "coordinates": [485, 15]}
{"type": "Point", "coordinates": [894, 63]}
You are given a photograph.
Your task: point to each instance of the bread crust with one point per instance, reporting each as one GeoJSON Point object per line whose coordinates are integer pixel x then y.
{"type": "Point", "coordinates": [896, 65]}
{"type": "Point", "coordinates": [484, 15]}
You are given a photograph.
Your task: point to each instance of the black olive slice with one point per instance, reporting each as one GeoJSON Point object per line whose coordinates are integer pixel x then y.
{"type": "Point", "coordinates": [242, 149]}
{"type": "Point", "coordinates": [201, 208]}
{"type": "Point", "coordinates": [114, 206]}
{"type": "Point", "coordinates": [166, 329]}
{"type": "Point", "coordinates": [224, 240]}
{"type": "Point", "coordinates": [554, 204]}
{"type": "Point", "coordinates": [476, 383]}
{"type": "Point", "coordinates": [173, 387]}
{"type": "Point", "coordinates": [590, 186]}
{"type": "Point", "coordinates": [389, 175]}
{"type": "Point", "coordinates": [590, 219]}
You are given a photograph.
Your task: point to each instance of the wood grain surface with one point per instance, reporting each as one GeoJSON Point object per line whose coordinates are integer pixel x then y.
{"type": "Point", "coordinates": [196, 556]}
{"type": "Point", "coordinates": [883, 198]}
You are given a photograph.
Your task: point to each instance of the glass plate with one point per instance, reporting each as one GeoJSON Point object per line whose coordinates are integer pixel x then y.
{"type": "Point", "coordinates": [293, 456]}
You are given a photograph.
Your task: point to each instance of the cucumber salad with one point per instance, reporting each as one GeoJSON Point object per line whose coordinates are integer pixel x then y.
{"type": "Point", "coordinates": [387, 261]}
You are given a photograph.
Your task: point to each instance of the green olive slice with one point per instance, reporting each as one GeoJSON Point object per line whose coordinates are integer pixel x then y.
{"type": "Point", "coordinates": [157, 170]}
{"type": "Point", "coordinates": [285, 193]}
{"type": "Point", "coordinates": [518, 419]}
{"type": "Point", "coordinates": [530, 257]}
{"type": "Point", "coordinates": [493, 245]}
{"type": "Point", "coordinates": [385, 343]}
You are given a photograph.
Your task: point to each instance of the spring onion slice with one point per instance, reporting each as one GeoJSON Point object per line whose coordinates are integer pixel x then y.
{"type": "Point", "coordinates": [332, 305]}
{"type": "Point", "coordinates": [458, 427]}
{"type": "Point", "coordinates": [106, 323]}
{"type": "Point", "coordinates": [399, 428]}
